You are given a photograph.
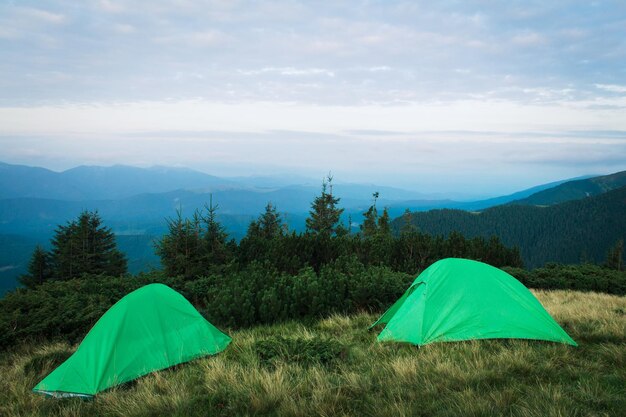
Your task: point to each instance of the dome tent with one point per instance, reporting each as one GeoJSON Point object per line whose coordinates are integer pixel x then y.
{"type": "Point", "coordinates": [151, 328]}
{"type": "Point", "coordinates": [459, 299]}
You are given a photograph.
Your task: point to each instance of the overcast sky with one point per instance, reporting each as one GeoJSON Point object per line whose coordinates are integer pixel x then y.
{"type": "Point", "coordinates": [471, 96]}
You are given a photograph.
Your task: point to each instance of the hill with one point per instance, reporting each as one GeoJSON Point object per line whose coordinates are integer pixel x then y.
{"type": "Point", "coordinates": [335, 366]}
{"type": "Point", "coordinates": [575, 190]}
{"type": "Point", "coordinates": [102, 183]}
{"type": "Point", "coordinates": [396, 209]}
{"type": "Point", "coordinates": [567, 232]}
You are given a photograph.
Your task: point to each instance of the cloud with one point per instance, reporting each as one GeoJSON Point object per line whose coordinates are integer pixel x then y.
{"type": "Point", "coordinates": [111, 6]}
{"type": "Point", "coordinates": [42, 15]}
{"type": "Point", "coordinates": [206, 38]}
{"type": "Point", "coordinates": [289, 71]}
{"type": "Point", "coordinates": [529, 39]}
{"type": "Point", "coordinates": [385, 81]}
{"type": "Point", "coordinates": [124, 28]}
{"type": "Point", "coordinates": [613, 88]}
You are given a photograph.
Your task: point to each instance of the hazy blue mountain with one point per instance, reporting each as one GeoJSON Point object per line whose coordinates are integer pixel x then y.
{"type": "Point", "coordinates": [575, 190]}
{"type": "Point", "coordinates": [23, 181]}
{"type": "Point", "coordinates": [100, 183]}
{"type": "Point", "coordinates": [275, 181]}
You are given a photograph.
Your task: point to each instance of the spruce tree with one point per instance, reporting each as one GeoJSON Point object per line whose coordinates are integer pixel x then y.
{"type": "Point", "coordinates": [217, 252]}
{"type": "Point", "coordinates": [615, 257]}
{"type": "Point", "coordinates": [408, 227]}
{"type": "Point", "coordinates": [384, 224]}
{"type": "Point", "coordinates": [85, 246]}
{"type": "Point", "coordinates": [270, 223]}
{"type": "Point", "coordinates": [180, 249]}
{"type": "Point", "coordinates": [38, 269]}
{"type": "Point", "coordinates": [324, 214]}
{"type": "Point", "coordinates": [369, 228]}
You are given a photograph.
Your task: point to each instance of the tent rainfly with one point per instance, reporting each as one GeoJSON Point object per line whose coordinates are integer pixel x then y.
{"type": "Point", "coordinates": [149, 329]}
{"type": "Point", "coordinates": [459, 299]}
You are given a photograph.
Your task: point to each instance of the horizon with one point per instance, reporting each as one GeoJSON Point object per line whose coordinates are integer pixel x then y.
{"type": "Point", "coordinates": [444, 97]}
{"type": "Point", "coordinates": [310, 181]}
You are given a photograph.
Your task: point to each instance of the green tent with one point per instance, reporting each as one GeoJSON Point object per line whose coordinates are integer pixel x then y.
{"type": "Point", "coordinates": [151, 328]}
{"type": "Point", "coordinates": [458, 299]}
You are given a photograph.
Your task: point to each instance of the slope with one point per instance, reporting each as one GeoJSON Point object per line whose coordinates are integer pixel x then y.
{"type": "Point", "coordinates": [567, 232]}
{"type": "Point", "coordinates": [575, 190]}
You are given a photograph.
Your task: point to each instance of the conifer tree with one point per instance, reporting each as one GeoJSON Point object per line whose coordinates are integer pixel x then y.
{"type": "Point", "coordinates": [270, 223]}
{"type": "Point", "coordinates": [324, 214]}
{"type": "Point", "coordinates": [215, 237]}
{"type": "Point", "coordinates": [407, 223]}
{"type": "Point", "coordinates": [369, 228]}
{"type": "Point", "coordinates": [384, 224]}
{"type": "Point", "coordinates": [85, 246]}
{"type": "Point", "coordinates": [38, 269]}
{"type": "Point", "coordinates": [181, 248]}
{"type": "Point", "coordinates": [192, 246]}
{"type": "Point", "coordinates": [615, 257]}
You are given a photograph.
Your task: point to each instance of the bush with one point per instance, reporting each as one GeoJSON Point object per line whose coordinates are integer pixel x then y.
{"type": "Point", "coordinates": [235, 298]}
{"type": "Point", "coordinates": [585, 277]}
{"type": "Point", "coordinates": [254, 294]}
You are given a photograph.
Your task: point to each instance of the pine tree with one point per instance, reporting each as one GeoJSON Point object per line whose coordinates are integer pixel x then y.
{"type": "Point", "coordinates": [324, 214]}
{"type": "Point", "coordinates": [369, 228]}
{"type": "Point", "coordinates": [217, 251]}
{"type": "Point", "coordinates": [181, 248]}
{"type": "Point", "coordinates": [270, 223]}
{"type": "Point", "coordinates": [85, 246]}
{"type": "Point", "coordinates": [407, 223]}
{"type": "Point", "coordinates": [38, 269]}
{"type": "Point", "coordinates": [615, 257]}
{"type": "Point", "coordinates": [191, 247]}
{"type": "Point", "coordinates": [384, 224]}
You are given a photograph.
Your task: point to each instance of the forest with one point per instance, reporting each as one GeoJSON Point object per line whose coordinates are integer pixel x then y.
{"type": "Point", "coordinates": [571, 232]}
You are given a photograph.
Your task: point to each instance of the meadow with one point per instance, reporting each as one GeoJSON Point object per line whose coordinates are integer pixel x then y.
{"type": "Point", "coordinates": [335, 367]}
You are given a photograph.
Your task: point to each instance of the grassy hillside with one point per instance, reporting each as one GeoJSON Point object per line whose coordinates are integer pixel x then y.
{"type": "Point", "coordinates": [568, 232]}
{"type": "Point", "coordinates": [335, 367]}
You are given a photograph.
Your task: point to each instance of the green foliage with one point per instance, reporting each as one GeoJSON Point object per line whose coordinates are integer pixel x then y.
{"type": "Point", "coordinates": [303, 351]}
{"type": "Point", "coordinates": [256, 294]}
{"type": "Point", "coordinates": [82, 246]}
{"type": "Point", "coordinates": [38, 269]}
{"type": "Point", "coordinates": [615, 257]}
{"type": "Point", "coordinates": [85, 246]}
{"type": "Point", "coordinates": [253, 295]}
{"type": "Point", "coordinates": [384, 224]}
{"type": "Point", "coordinates": [586, 277]}
{"type": "Point", "coordinates": [64, 309]}
{"type": "Point", "coordinates": [324, 215]}
{"type": "Point", "coordinates": [192, 247]}
{"type": "Point", "coordinates": [568, 232]}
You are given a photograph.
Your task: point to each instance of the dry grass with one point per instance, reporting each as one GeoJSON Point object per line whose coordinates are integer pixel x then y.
{"type": "Point", "coordinates": [479, 378]}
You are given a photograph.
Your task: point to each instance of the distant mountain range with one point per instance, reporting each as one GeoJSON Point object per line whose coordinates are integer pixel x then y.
{"type": "Point", "coordinates": [134, 202]}
{"type": "Point", "coordinates": [101, 183]}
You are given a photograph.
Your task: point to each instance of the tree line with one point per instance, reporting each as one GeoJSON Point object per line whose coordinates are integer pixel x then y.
{"type": "Point", "coordinates": [199, 245]}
